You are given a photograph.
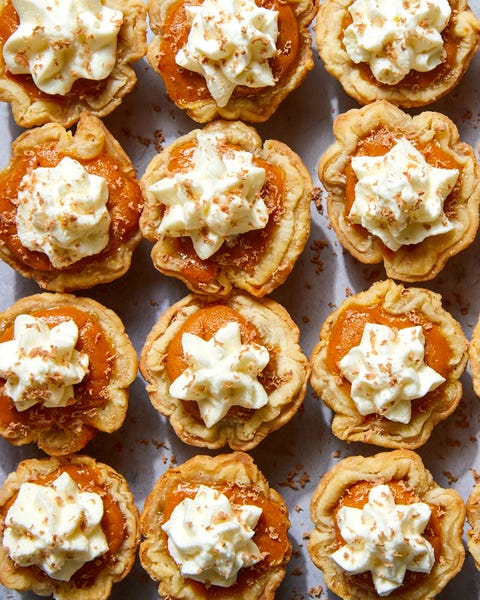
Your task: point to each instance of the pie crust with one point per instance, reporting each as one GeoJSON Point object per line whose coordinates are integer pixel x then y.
{"type": "Point", "coordinates": [462, 37]}
{"type": "Point", "coordinates": [236, 468]}
{"type": "Point", "coordinates": [348, 424]}
{"type": "Point", "coordinates": [31, 578]}
{"type": "Point", "coordinates": [69, 433]}
{"type": "Point", "coordinates": [100, 98]}
{"type": "Point", "coordinates": [398, 465]}
{"type": "Point", "coordinates": [245, 104]}
{"type": "Point", "coordinates": [241, 429]}
{"type": "Point", "coordinates": [258, 261]}
{"type": "Point", "coordinates": [90, 141]}
{"type": "Point", "coordinates": [415, 262]}
{"type": "Point", "coordinates": [474, 358]}
{"type": "Point", "coordinates": [473, 516]}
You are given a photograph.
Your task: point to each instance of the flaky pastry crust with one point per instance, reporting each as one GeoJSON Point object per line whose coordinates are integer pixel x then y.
{"type": "Point", "coordinates": [415, 262]}
{"type": "Point", "coordinates": [474, 358]}
{"type": "Point", "coordinates": [254, 106]}
{"type": "Point", "coordinates": [63, 437]}
{"type": "Point", "coordinates": [222, 470]}
{"type": "Point", "coordinates": [398, 465]}
{"type": "Point", "coordinates": [100, 98]}
{"type": "Point", "coordinates": [91, 140]}
{"type": "Point", "coordinates": [348, 424]}
{"type": "Point", "coordinates": [473, 516]}
{"type": "Point", "coordinates": [241, 430]}
{"type": "Point", "coordinates": [256, 271]}
{"type": "Point", "coordinates": [29, 578]}
{"type": "Point", "coordinates": [461, 37]}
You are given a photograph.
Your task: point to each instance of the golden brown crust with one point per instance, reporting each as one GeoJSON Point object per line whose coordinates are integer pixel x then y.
{"type": "Point", "coordinates": [348, 424]}
{"type": "Point", "coordinates": [234, 468]}
{"type": "Point", "coordinates": [416, 262]}
{"type": "Point", "coordinates": [474, 358]}
{"type": "Point", "coordinates": [473, 516]}
{"type": "Point", "coordinates": [288, 235]}
{"type": "Point", "coordinates": [462, 34]}
{"type": "Point", "coordinates": [264, 102]}
{"type": "Point", "coordinates": [102, 98]}
{"type": "Point", "coordinates": [241, 431]}
{"type": "Point", "coordinates": [396, 465]}
{"type": "Point", "coordinates": [25, 578]}
{"type": "Point", "coordinates": [109, 417]}
{"type": "Point", "coordinates": [91, 140]}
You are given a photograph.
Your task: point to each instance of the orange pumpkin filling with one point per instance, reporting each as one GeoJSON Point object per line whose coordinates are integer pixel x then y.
{"type": "Point", "coordinates": [249, 248]}
{"type": "Point", "coordinates": [124, 203]}
{"type": "Point", "coordinates": [346, 333]}
{"type": "Point", "coordinates": [90, 395]}
{"type": "Point", "coordinates": [380, 141]}
{"type": "Point", "coordinates": [271, 532]}
{"type": "Point", "coordinates": [88, 479]}
{"type": "Point", "coordinates": [356, 496]}
{"type": "Point", "coordinates": [9, 22]}
{"type": "Point", "coordinates": [204, 323]}
{"type": "Point", "coordinates": [416, 79]}
{"type": "Point", "coordinates": [184, 86]}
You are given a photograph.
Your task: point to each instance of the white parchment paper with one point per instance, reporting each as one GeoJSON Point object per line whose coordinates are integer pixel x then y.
{"type": "Point", "coordinates": [295, 457]}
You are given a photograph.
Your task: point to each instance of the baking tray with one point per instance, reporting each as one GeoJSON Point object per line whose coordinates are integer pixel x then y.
{"type": "Point", "coordinates": [295, 457]}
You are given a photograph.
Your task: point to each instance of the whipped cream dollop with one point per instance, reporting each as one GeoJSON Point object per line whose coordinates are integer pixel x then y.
{"type": "Point", "coordinates": [397, 36]}
{"type": "Point", "coordinates": [210, 538]}
{"type": "Point", "coordinates": [217, 199]}
{"type": "Point", "coordinates": [40, 365]}
{"type": "Point", "coordinates": [399, 197]}
{"type": "Point", "coordinates": [60, 41]}
{"type": "Point", "coordinates": [384, 538]}
{"type": "Point", "coordinates": [55, 527]}
{"type": "Point", "coordinates": [387, 371]}
{"type": "Point", "coordinates": [62, 212]}
{"type": "Point", "coordinates": [230, 43]}
{"type": "Point", "coordinates": [221, 373]}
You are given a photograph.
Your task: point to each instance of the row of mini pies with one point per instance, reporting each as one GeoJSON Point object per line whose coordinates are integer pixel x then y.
{"type": "Point", "coordinates": [229, 371]}
{"type": "Point", "coordinates": [226, 210]}
{"type": "Point", "coordinates": [413, 553]}
{"type": "Point", "coordinates": [235, 60]}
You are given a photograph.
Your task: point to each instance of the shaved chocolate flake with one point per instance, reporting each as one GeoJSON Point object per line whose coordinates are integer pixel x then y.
{"type": "Point", "coordinates": [317, 197]}
{"type": "Point", "coordinates": [158, 140]}
{"type": "Point", "coordinates": [450, 476]}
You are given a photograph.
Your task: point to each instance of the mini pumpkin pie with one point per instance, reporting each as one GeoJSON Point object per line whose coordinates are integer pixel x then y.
{"type": "Point", "coordinates": [388, 364]}
{"type": "Point", "coordinates": [473, 516]}
{"type": "Point", "coordinates": [69, 206]}
{"type": "Point", "coordinates": [65, 367]}
{"type": "Point", "coordinates": [59, 59]}
{"type": "Point", "coordinates": [233, 59]}
{"type": "Point", "coordinates": [384, 527]}
{"type": "Point", "coordinates": [226, 211]}
{"type": "Point", "coordinates": [69, 528]}
{"type": "Point", "coordinates": [409, 53]}
{"type": "Point", "coordinates": [402, 190]}
{"type": "Point", "coordinates": [214, 528]}
{"type": "Point", "coordinates": [225, 371]}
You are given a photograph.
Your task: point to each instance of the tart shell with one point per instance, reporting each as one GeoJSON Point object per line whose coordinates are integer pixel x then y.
{"type": "Point", "coordinates": [29, 578]}
{"type": "Point", "coordinates": [462, 32]}
{"type": "Point", "coordinates": [403, 465]}
{"type": "Point", "coordinates": [101, 99]}
{"type": "Point", "coordinates": [348, 424]}
{"type": "Point", "coordinates": [234, 468]}
{"type": "Point", "coordinates": [291, 223]}
{"type": "Point", "coordinates": [415, 262]}
{"type": "Point", "coordinates": [61, 440]}
{"type": "Point", "coordinates": [245, 429]}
